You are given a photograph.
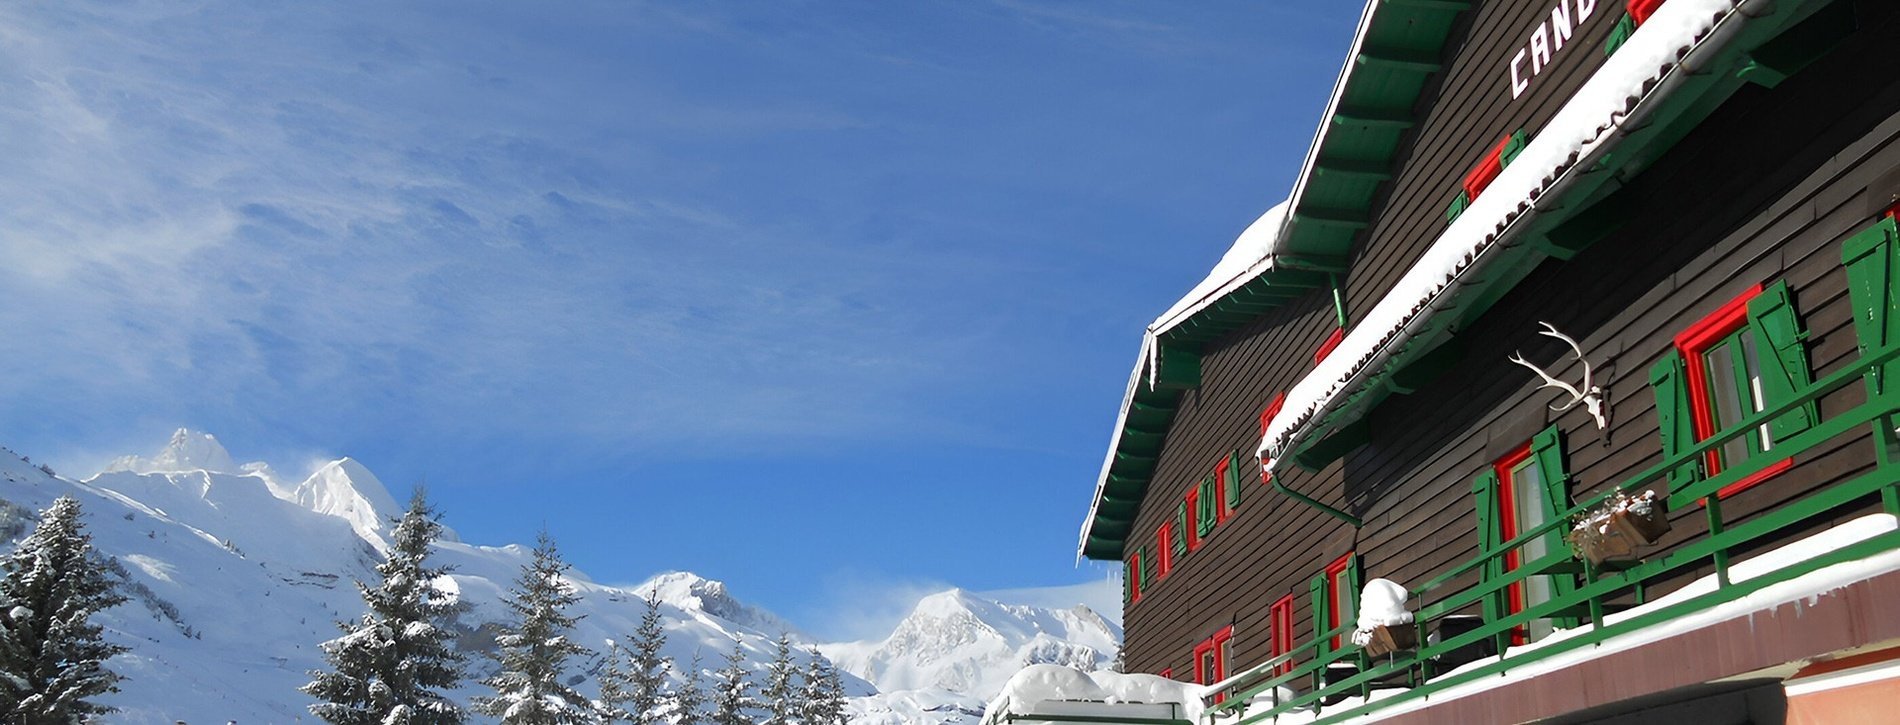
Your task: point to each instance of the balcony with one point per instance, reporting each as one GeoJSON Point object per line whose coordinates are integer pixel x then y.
{"type": "Point", "coordinates": [1326, 685]}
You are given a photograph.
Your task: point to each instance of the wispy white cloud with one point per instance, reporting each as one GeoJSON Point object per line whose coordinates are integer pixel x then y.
{"type": "Point", "coordinates": [301, 212]}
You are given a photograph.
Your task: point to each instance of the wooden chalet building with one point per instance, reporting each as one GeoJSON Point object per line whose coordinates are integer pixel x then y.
{"type": "Point", "coordinates": [1700, 194]}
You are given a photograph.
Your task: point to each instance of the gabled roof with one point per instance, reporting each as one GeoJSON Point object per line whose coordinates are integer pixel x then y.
{"type": "Point", "coordinates": [1289, 251]}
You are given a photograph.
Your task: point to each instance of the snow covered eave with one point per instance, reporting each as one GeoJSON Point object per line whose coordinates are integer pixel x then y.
{"type": "Point", "coordinates": [1621, 102]}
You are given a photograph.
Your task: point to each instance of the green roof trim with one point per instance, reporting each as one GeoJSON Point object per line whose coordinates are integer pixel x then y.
{"type": "Point", "coordinates": [1401, 44]}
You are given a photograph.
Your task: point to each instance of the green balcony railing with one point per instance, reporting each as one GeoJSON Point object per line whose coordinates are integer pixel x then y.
{"type": "Point", "coordinates": [1304, 685]}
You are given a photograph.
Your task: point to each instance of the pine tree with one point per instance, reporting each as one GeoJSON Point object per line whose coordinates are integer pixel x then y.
{"type": "Point", "coordinates": [616, 685]}
{"type": "Point", "coordinates": [734, 694]}
{"type": "Point", "coordinates": [824, 692]}
{"type": "Point", "coordinates": [529, 689]}
{"type": "Point", "coordinates": [647, 676]}
{"type": "Point", "coordinates": [782, 698]}
{"type": "Point", "coordinates": [686, 705]}
{"type": "Point", "coordinates": [393, 665]}
{"type": "Point", "coordinates": [52, 657]}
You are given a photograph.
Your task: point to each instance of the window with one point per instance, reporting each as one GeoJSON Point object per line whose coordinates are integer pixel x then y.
{"type": "Point", "coordinates": [1331, 343]}
{"type": "Point", "coordinates": [1518, 493]}
{"type": "Point", "coordinates": [1280, 618]}
{"type": "Point", "coordinates": [1266, 419]}
{"type": "Point", "coordinates": [1193, 529]}
{"type": "Point", "coordinates": [1734, 363]}
{"type": "Point", "coordinates": [1211, 658]}
{"type": "Point", "coordinates": [1335, 594]}
{"type": "Point", "coordinates": [1164, 551]}
{"type": "Point", "coordinates": [1521, 507]}
{"type": "Point", "coordinates": [1168, 673]}
{"type": "Point", "coordinates": [1131, 581]}
{"type": "Point", "coordinates": [1222, 470]}
{"type": "Point", "coordinates": [1342, 592]}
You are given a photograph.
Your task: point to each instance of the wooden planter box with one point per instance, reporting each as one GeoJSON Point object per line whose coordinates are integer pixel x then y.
{"type": "Point", "coordinates": [1624, 531]}
{"type": "Point", "coordinates": [1389, 639]}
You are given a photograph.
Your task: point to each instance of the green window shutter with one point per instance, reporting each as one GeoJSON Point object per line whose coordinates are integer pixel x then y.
{"type": "Point", "coordinates": [1458, 207]}
{"type": "Point", "coordinates": [1207, 508]}
{"type": "Point", "coordinates": [1180, 538]}
{"type": "Point", "coordinates": [1317, 587]}
{"type": "Point", "coordinates": [1620, 34]}
{"type": "Point", "coordinates": [1547, 448]}
{"type": "Point", "coordinates": [1485, 488]}
{"type": "Point", "coordinates": [1128, 578]}
{"type": "Point", "coordinates": [1784, 360]}
{"type": "Point", "coordinates": [1870, 260]}
{"type": "Point", "coordinates": [1514, 147]}
{"type": "Point", "coordinates": [1355, 583]}
{"type": "Point", "coordinates": [1234, 466]}
{"type": "Point", "coordinates": [1670, 383]}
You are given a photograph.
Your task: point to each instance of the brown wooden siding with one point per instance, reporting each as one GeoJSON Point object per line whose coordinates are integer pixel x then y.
{"type": "Point", "coordinates": [1471, 112]}
{"type": "Point", "coordinates": [1765, 190]}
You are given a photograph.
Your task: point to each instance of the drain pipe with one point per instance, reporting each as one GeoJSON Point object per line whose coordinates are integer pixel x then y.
{"type": "Point", "coordinates": [1310, 501]}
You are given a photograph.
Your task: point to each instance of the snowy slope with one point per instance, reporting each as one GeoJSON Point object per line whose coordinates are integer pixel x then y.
{"type": "Point", "coordinates": [235, 576]}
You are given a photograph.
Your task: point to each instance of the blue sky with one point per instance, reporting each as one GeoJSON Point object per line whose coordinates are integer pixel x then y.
{"type": "Point", "coordinates": [833, 301]}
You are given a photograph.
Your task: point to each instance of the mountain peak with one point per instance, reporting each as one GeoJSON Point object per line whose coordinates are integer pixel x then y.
{"type": "Point", "coordinates": [694, 593]}
{"type": "Point", "coordinates": [345, 489]}
{"type": "Point", "coordinates": [189, 450]}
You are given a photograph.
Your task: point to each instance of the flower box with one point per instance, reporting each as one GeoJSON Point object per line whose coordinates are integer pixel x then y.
{"type": "Point", "coordinates": [1390, 639]}
{"type": "Point", "coordinates": [1616, 530]}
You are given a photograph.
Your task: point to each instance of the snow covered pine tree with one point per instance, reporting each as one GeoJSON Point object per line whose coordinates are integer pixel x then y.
{"type": "Point", "coordinates": [529, 689]}
{"type": "Point", "coordinates": [782, 699]}
{"type": "Point", "coordinates": [824, 692]}
{"type": "Point", "coordinates": [734, 697]}
{"type": "Point", "coordinates": [687, 704]}
{"type": "Point", "coordinates": [52, 658]}
{"type": "Point", "coordinates": [631, 686]}
{"type": "Point", "coordinates": [391, 666]}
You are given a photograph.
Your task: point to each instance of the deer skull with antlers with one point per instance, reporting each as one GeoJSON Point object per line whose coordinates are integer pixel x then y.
{"type": "Point", "coordinates": [1588, 394]}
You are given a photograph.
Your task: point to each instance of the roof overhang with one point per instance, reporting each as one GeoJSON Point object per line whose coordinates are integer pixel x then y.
{"type": "Point", "coordinates": [1300, 246]}
{"type": "Point", "coordinates": [1557, 197]}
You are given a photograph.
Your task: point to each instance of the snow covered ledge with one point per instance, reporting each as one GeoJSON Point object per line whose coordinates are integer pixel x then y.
{"type": "Point", "coordinates": [1644, 70]}
{"type": "Point", "coordinates": [1055, 694]}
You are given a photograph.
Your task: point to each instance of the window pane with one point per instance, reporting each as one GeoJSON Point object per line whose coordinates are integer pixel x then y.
{"type": "Point", "coordinates": [1725, 395]}
{"type": "Point", "coordinates": [1527, 498]}
{"type": "Point", "coordinates": [1751, 367]}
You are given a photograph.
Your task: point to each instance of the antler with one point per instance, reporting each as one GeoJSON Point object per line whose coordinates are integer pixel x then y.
{"type": "Point", "coordinates": [1551, 331]}
{"type": "Point", "coordinates": [1576, 396]}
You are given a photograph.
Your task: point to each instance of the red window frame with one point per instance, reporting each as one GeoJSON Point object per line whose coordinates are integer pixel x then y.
{"type": "Point", "coordinates": [1331, 343]}
{"type": "Point", "coordinates": [1134, 577]}
{"type": "Point", "coordinates": [1219, 646]}
{"type": "Point", "coordinates": [1507, 529]}
{"type": "Point", "coordinates": [1280, 619]}
{"type": "Point", "coordinates": [1221, 513]}
{"type": "Point", "coordinates": [1487, 170]}
{"type": "Point", "coordinates": [1267, 415]}
{"type": "Point", "coordinates": [1164, 550]}
{"type": "Point", "coordinates": [1168, 673]}
{"type": "Point", "coordinates": [1693, 343]}
{"type": "Point", "coordinates": [1640, 10]}
{"type": "Point", "coordinates": [1335, 572]}
{"type": "Point", "coordinates": [1193, 532]}
{"type": "Point", "coordinates": [1893, 211]}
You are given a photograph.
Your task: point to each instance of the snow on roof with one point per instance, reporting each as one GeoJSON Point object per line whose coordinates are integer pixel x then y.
{"type": "Point", "coordinates": [1250, 255]}
{"type": "Point", "coordinates": [1586, 125]}
{"type": "Point", "coordinates": [1043, 689]}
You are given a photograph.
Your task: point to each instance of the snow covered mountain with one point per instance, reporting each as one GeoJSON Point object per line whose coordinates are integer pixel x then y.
{"type": "Point", "coordinates": [235, 576]}
{"type": "Point", "coordinates": [958, 642]}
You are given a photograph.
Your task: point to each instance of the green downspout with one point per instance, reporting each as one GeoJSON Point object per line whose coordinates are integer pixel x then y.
{"type": "Point", "coordinates": [1315, 503]}
{"type": "Point", "coordinates": [1339, 310]}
